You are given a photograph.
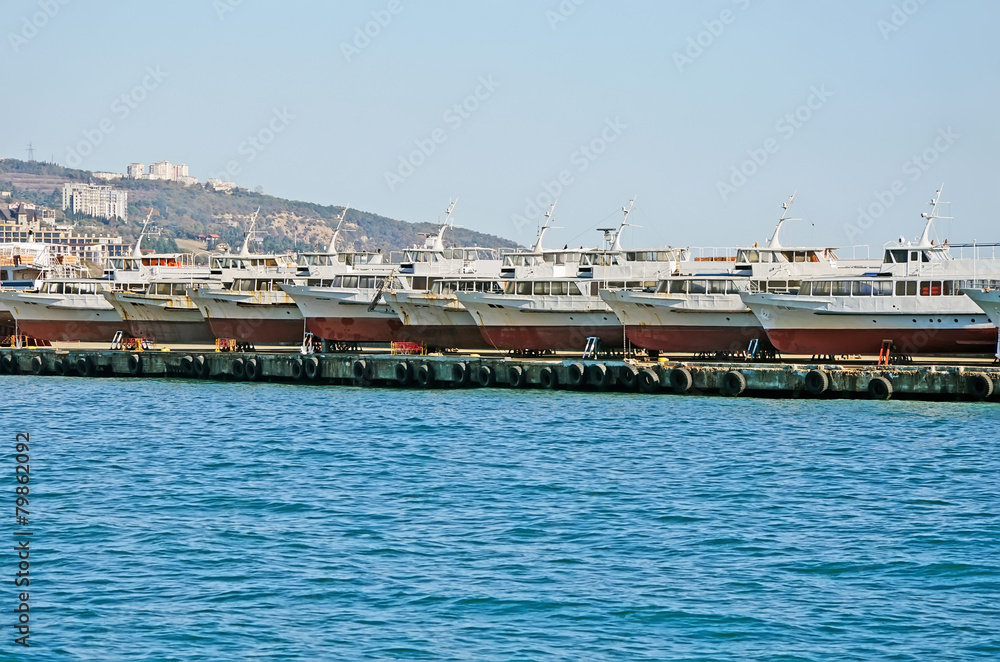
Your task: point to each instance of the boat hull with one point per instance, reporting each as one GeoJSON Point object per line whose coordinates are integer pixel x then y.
{"type": "Point", "coordinates": [554, 337]}
{"type": "Point", "coordinates": [261, 330]}
{"type": "Point", "coordinates": [928, 340]}
{"type": "Point", "coordinates": [695, 339]}
{"type": "Point", "coordinates": [357, 329]}
{"type": "Point", "coordinates": [166, 320]}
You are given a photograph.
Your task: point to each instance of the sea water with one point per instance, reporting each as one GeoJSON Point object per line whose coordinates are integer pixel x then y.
{"type": "Point", "coordinates": [176, 520]}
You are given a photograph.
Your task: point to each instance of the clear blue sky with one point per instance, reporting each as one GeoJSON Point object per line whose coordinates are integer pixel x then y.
{"type": "Point", "coordinates": [333, 113]}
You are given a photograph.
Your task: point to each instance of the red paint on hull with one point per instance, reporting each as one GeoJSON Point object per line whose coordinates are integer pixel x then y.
{"type": "Point", "coordinates": [357, 329]}
{"type": "Point", "coordinates": [869, 341]}
{"type": "Point", "coordinates": [550, 337]}
{"type": "Point", "coordinates": [465, 336]}
{"type": "Point", "coordinates": [694, 338]}
{"type": "Point", "coordinates": [260, 331]}
{"type": "Point", "coordinates": [171, 332]}
{"type": "Point", "coordinates": [70, 331]}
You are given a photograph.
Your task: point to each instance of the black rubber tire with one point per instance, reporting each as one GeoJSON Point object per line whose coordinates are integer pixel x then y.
{"type": "Point", "coordinates": [187, 365]}
{"type": "Point", "coordinates": [134, 365]}
{"type": "Point", "coordinates": [298, 370]}
{"type": "Point", "coordinates": [817, 382]}
{"type": "Point", "coordinates": [358, 370]}
{"type": "Point", "coordinates": [628, 377]}
{"type": "Point", "coordinates": [310, 366]}
{"type": "Point", "coordinates": [515, 376]}
{"type": "Point", "coordinates": [238, 369]}
{"type": "Point", "coordinates": [402, 372]}
{"type": "Point", "coordinates": [649, 381]}
{"type": "Point", "coordinates": [370, 372]}
{"type": "Point", "coordinates": [681, 380]}
{"type": "Point", "coordinates": [252, 369]}
{"type": "Point", "coordinates": [598, 375]}
{"type": "Point", "coordinates": [485, 376]}
{"type": "Point", "coordinates": [37, 365]}
{"type": "Point", "coordinates": [460, 374]}
{"type": "Point", "coordinates": [980, 387]}
{"type": "Point", "coordinates": [5, 364]}
{"type": "Point", "coordinates": [879, 388]}
{"type": "Point", "coordinates": [425, 375]}
{"type": "Point", "coordinates": [201, 368]}
{"type": "Point", "coordinates": [733, 383]}
{"type": "Point", "coordinates": [549, 378]}
{"type": "Point", "coordinates": [84, 366]}
{"type": "Point", "coordinates": [60, 367]}
{"type": "Point", "coordinates": [575, 373]}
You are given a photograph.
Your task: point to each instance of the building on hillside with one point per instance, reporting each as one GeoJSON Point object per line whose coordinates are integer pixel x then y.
{"type": "Point", "coordinates": [107, 176]}
{"type": "Point", "coordinates": [99, 200]}
{"type": "Point", "coordinates": [136, 171]}
{"type": "Point", "coordinates": [5, 194]}
{"type": "Point", "coordinates": [219, 185]}
{"type": "Point", "coordinates": [22, 222]}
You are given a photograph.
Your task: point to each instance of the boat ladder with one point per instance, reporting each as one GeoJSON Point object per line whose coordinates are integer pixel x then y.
{"type": "Point", "coordinates": [753, 348]}
{"type": "Point", "coordinates": [593, 344]}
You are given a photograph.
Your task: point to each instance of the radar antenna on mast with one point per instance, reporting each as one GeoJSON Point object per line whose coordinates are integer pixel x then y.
{"type": "Point", "coordinates": [544, 226]}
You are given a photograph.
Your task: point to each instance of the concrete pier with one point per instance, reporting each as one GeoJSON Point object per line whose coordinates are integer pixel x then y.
{"type": "Point", "coordinates": [976, 381]}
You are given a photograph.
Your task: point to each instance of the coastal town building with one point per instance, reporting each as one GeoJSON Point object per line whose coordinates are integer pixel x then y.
{"type": "Point", "coordinates": [162, 170]}
{"type": "Point", "coordinates": [98, 200]}
{"type": "Point", "coordinates": [24, 222]}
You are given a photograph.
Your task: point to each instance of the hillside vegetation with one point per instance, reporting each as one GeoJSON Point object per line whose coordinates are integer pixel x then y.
{"type": "Point", "coordinates": [184, 212]}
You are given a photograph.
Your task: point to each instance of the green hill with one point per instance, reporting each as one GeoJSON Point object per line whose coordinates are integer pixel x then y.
{"type": "Point", "coordinates": [184, 212]}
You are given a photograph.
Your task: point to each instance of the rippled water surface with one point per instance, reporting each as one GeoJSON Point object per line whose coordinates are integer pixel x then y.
{"type": "Point", "coordinates": [197, 520]}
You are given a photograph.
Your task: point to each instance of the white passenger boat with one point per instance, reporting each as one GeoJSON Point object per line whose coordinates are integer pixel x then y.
{"type": "Point", "coordinates": [913, 303]}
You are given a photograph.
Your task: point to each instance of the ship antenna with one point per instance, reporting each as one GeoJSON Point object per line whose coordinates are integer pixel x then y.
{"type": "Point", "coordinates": [448, 222]}
{"type": "Point", "coordinates": [332, 250]}
{"type": "Point", "coordinates": [616, 243]}
{"type": "Point", "coordinates": [245, 250]}
{"type": "Point", "coordinates": [785, 206]}
{"type": "Point", "coordinates": [545, 226]}
{"type": "Point", "coordinates": [137, 251]}
{"type": "Point", "coordinates": [925, 240]}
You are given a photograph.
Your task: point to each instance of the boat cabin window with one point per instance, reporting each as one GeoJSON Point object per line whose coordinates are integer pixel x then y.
{"type": "Point", "coordinates": [697, 286]}
{"type": "Point", "coordinates": [906, 288]}
{"type": "Point", "coordinates": [53, 288]}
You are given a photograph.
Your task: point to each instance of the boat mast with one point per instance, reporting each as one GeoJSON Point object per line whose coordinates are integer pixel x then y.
{"type": "Point", "coordinates": [616, 243]}
{"type": "Point", "coordinates": [545, 226]}
{"type": "Point", "coordinates": [925, 239]}
{"type": "Point", "coordinates": [248, 235]}
{"type": "Point", "coordinates": [332, 249]}
{"type": "Point", "coordinates": [785, 206]}
{"type": "Point", "coordinates": [137, 251]}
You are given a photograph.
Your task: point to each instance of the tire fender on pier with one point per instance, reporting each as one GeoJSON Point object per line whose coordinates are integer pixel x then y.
{"type": "Point", "coordinates": [485, 376]}
{"type": "Point", "coordinates": [84, 366]}
{"type": "Point", "coordinates": [628, 377]}
{"type": "Point", "coordinates": [425, 375]}
{"type": "Point", "coordinates": [980, 386]}
{"type": "Point", "coordinates": [402, 373]}
{"type": "Point", "coordinates": [187, 365]}
{"type": "Point", "coordinates": [733, 383]}
{"type": "Point", "coordinates": [60, 367]}
{"type": "Point", "coordinates": [6, 364]}
{"type": "Point", "coordinates": [681, 380]}
{"type": "Point", "coordinates": [201, 368]}
{"type": "Point", "coordinates": [460, 373]}
{"type": "Point", "coordinates": [575, 374]}
{"type": "Point", "coordinates": [359, 369]}
{"type": "Point", "coordinates": [817, 382]}
{"type": "Point", "coordinates": [515, 376]}
{"type": "Point", "coordinates": [38, 365]}
{"type": "Point", "coordinates": [134, 365]}
{"type": "Point", "coordinates": [649, 381]}
{"type": "Point", "coordinates": [879, 388]}
{"type": "Point", "coordinates": [548, 378]}
{"type": "Point", "coordinates": [252, 369]}
{"type": "Point", "coordinates": [598, 375]}
{"type": "Point", "coordinates": [238, 369]}
{"type": "Point", "coordinates": [311, 367]}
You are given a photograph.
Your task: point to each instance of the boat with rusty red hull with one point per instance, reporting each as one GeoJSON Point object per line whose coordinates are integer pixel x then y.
{"type": "Point", "coordinates": [252, 309]}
